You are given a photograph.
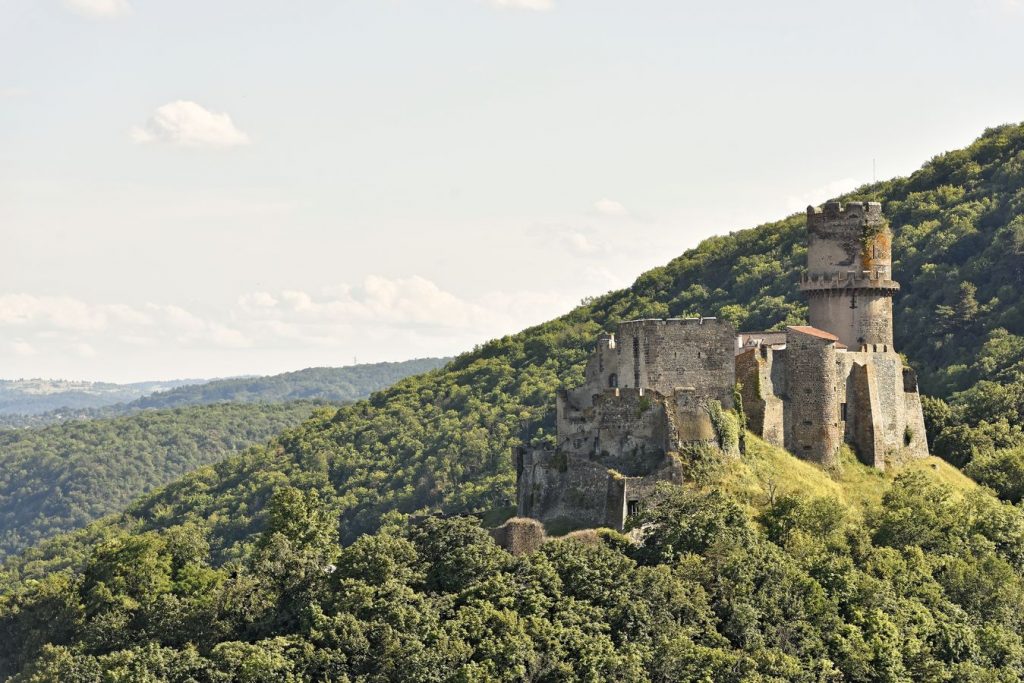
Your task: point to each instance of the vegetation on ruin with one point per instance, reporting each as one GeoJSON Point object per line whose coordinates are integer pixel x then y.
{"type": "Point", "coordinates": [314, 558]}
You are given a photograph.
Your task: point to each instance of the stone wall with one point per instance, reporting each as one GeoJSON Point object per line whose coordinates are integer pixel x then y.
{"type": "Point", "coordinates": [856, 316]}
{"type": "Point", "coordinates": [885, 422]}
{"type": "Point", "coordinates": [761, 374]}
{"type": "Point", "coordinates": [667, 354]}
{"type": "Point", "coordinates": [620, 423]}
{"type": "Point", "coordinates": [851, 238]}
{"type": "Point", "coordinates": [812, 412]}
{"type": "Point", "coordinates": [519, 535]}
{"type": "Point", "coordinates": [571, 492]}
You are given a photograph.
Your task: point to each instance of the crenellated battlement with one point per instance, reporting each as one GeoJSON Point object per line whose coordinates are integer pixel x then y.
{"type": "Point", "coordinates": [854, 214]}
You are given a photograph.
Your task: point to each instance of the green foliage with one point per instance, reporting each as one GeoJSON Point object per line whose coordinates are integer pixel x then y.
{"type": "Point", "coordinates": [726, 425]}
{"type": "Point", "coordinates": [927, 588]}
{"type": "Point", "coordinates": [64, 476]}
{"type": "Point", "coordinates": [1002, 471]}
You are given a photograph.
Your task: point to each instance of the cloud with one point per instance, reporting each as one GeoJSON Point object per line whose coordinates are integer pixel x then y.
{"type": "Point", "coordinates": [20, 347]}
{"type": "Point", "coordinates": [186, 124]}
{"type": "Point", "coordinates": [536, 5]}
{"type": "Point", "coordinates": [609, 207]}
{"type": "Point", "coordinates": [70, 320]}
{"type": "Point", "coordinates": [821, 194]}
{"type": "Point", "coordinates": [100, 8]}
{"type": "Point", "coordinates": [379, 318]}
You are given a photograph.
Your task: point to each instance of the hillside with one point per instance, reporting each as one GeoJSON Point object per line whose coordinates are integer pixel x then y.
{"type": "Point", "coordinates": [737, 584]}
{"type": "Point", "coordinates": [332, 385]}
{"type": "Point", "coordinates": [36, 396]}
{"type": "Point", "coordinates": [62, 477]}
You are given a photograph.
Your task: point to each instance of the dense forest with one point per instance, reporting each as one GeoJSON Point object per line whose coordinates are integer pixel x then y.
{"type": "Point", "coordinates": [318, 557]}
{"type": "Point", "coordinates": [332, 385]}
{"type": "Point", "coordinates": [62, 477]}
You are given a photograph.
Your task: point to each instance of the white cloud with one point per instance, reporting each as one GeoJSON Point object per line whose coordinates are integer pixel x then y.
{"type": "Point", "coordinates": [379, 318]}
{"type": "Point", "coordinates": [100, 8]}
{"type": "Point", "coordinates": [537, 5]}
{"type": "Point", "coordinates": [187, 124]}
{"type": "Point", "coordinates": [609, 207]}
{"type": "Point", "coordinates": [820, 194]}
{"type": "Point", "coordinates": [20, 347]}
{"type": "Point", "coordinates": [580, 243]}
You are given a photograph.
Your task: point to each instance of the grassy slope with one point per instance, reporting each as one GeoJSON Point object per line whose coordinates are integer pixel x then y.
{"type": "Point", "coordinates": [766, 469]}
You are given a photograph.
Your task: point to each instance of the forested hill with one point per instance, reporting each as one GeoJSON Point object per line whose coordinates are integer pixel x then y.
{"type": "Point", "coordinates": [227, 572]}
{"type": "Point", "coordinates": [62, 477]}
{"type": "Point", "coordinates": [332, 385]}
{"type": "Point", "coordinates": [35, 396]}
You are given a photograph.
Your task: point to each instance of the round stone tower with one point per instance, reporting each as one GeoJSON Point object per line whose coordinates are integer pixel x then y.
{"type": "Point", "coordinates": [848, 282]}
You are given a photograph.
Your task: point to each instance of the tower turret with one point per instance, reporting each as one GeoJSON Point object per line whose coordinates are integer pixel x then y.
{"type": "Point", "coordinates": [848, 281]}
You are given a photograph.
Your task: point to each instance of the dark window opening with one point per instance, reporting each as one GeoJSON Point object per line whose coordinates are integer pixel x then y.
{"type": "Point", "coordinates": [613, 380]}
{"type": "Point", "coordinates": [807, 423]}
{"type": "Point", "coordinates": [636, 362]}
{"type": "Point", "coordinates": [807, 448]}
{"type": "Point", "coordinates": [632, 508]}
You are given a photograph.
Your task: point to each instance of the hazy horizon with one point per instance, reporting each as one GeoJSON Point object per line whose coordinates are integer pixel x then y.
{"type": "Point", "coordinates": [198, 190]}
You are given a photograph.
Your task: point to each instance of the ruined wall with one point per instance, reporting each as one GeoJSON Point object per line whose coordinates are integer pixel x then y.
{"type": "Point", "coordinates": [913, 413]}
{"type": "Point", "coordinates": [600, 373]}
{"type": "Point", "coordinates": [854, 237]}
{"type": "Point", "coordinates": [689, 419]}
{"type": "Point", "coordinates": [811, 425]}
{"type": "Point", "coordinates": [885, 422]}
{"type": "Point", "coordinates": [667, 354]}
{"type": "Point", "coordinates": [519, 535]}
{"type": "Point", "coordinates": [626, 425]}
{"type": "Point", "coordinates": [761, 374]}
{"type": "Point", "coordinates": [572, 492]}
{"type": "Point", "coordinates": [864, 414]}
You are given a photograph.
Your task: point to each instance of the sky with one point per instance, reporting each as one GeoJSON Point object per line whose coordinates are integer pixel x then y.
{"type": "Point", "coordinates": [222, 187]}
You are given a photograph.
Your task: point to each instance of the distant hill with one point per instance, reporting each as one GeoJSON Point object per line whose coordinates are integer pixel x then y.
{"type": "Point", "coordinates": [333, 385]}
{"type": "Point", "coordinates": [35, 396]}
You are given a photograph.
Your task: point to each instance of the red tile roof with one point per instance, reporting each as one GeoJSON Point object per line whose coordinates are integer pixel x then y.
{"type": "Point", "coordinates": [814, 332]}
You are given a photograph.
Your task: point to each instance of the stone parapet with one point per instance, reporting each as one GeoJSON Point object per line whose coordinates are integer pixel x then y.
{"type": "Point", "coordinates": [864, 279]}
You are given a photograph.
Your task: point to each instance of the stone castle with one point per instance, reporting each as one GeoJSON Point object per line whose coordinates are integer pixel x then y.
{"type": "Point", "coordinates": [660, 392]}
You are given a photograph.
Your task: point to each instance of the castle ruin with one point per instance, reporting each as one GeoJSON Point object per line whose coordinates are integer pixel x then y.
{"type": "Point", "coordinates": [660, 391]}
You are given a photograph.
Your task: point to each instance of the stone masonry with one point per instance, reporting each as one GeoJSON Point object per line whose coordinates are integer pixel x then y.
{"type": "Point", "coordinates": [840, 379]}
{"type": "Point", "coordinates": [659, 392]}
